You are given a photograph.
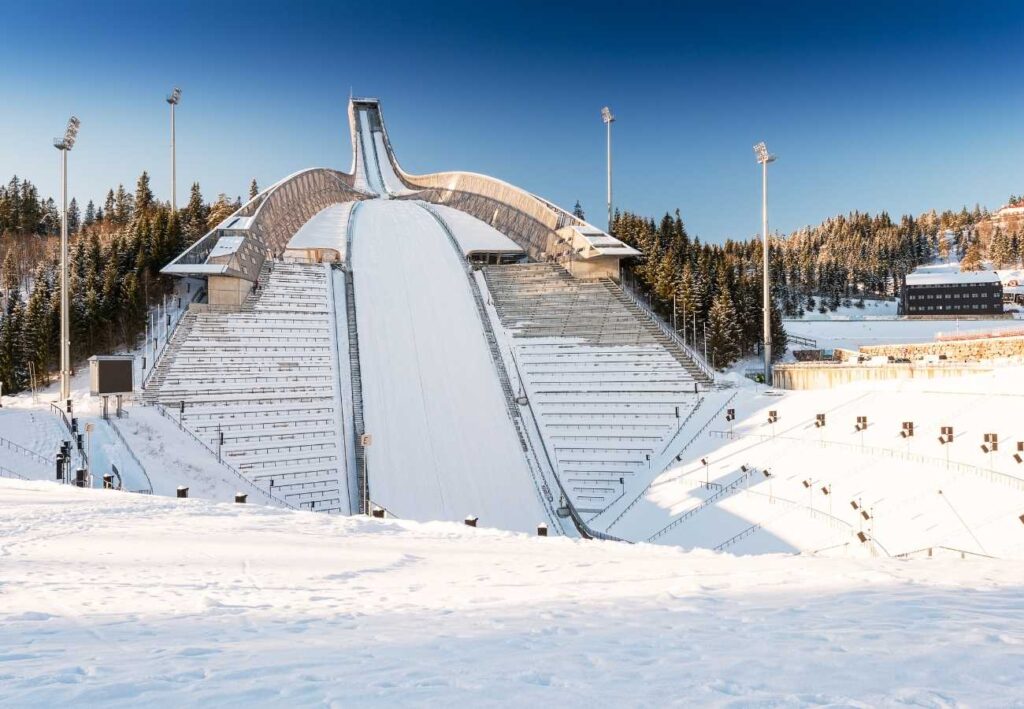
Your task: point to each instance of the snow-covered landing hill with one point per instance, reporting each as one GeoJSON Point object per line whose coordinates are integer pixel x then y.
{"type": "Point", "coordinates": [115, 599]}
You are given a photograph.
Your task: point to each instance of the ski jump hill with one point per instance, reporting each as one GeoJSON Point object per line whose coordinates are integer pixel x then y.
{"type": "Point", "coordinates": [447, 346]}
{"type": "Point", "coordinates": [435, 346]}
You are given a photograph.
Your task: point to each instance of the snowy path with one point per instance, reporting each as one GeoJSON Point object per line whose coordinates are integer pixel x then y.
{"type": "Point", "coordinates": [443, 444]}
{"type": "Point", "coordinates": [126, 600]}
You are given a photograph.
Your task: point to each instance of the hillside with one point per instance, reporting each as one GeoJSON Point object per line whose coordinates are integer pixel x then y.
{"type": "Point", "coordinates": [116, 599]}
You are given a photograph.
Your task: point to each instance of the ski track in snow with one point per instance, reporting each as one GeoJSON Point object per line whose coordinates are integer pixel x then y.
{"type": "Point", "coordinates": [428, 377]}
{"type": "Point", "coordinates": [119, 599]}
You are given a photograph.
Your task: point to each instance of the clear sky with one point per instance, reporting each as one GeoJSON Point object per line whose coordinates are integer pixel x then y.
{"type": "Point", "coordinates": [902, 106]}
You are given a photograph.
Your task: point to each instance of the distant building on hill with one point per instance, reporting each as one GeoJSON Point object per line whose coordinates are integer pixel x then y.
{"type": "Point", "coordinates": [944, 294]}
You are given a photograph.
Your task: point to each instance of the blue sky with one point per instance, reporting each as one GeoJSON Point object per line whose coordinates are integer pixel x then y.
{"type": "Point", "coordinates": [902, 106]}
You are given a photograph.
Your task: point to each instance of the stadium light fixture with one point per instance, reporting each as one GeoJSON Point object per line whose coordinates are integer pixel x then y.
{"type": "Point", "coordinates": [64, 145]}
{"type": "Point", "coordinates": [174, 99]}
{"type": "Point", "coordinates": [608, 119]}
{"type": "Point", "coordinates": [763, 158]}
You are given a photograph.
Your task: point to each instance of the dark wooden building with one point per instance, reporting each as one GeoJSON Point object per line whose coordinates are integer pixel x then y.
{"type": "Point", "coordinates": [944, 294]}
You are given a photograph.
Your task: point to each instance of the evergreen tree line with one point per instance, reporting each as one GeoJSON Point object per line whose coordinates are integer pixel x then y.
{"type": "Point", "coordinates": [838, 263]}
{"type": "Point", "coordinates": [715, 289]}
{"type": "Point", "coordinates": [115, 257]}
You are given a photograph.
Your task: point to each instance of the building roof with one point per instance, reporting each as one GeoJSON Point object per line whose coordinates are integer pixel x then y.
{"type": "Point", "coordinates": [933, 279]}
{"type": "Point", "coordinates": [589, 241]}
{"type": "Point", "coordinates": [327, 229]}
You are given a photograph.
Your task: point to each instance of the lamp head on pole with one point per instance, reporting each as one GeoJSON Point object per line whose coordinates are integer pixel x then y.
{"type": "Point", "coordinates": [70, 134]}
{"type": "Point", "coordinates": [763, 156]}
{"type": "Point", "coordinates": [606, 115]}
{"type": "Point", "coordinates": [175, 97]}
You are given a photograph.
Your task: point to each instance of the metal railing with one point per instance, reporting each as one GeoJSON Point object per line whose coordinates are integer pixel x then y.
{"type": "Point", "coordinates": [5, 473]}
{"type": "Point", "coordinates": [962, 552]}
{"type": "Point", "coordinates": [131, 454]}
{"type": "Point", "coordinates": [689, 443]}
{"type": "Point", "coordinates": [737, 537]}
{"type": "Point", "coordinates": [710, 500]}
{"type": "Point", "coordinates": [987, 473]}
{"type": "Point", "coordinates": [22, 450]}
{"type": "Point", "coordinates": [245, 481]}
{"type": "Point", "coordinates": [702, 364]}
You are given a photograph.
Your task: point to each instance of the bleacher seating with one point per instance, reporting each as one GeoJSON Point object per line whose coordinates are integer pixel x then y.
{"type": "Point", "coordinates": [265, 377]}
{"type": "Point", "coordinates": [608, 388]}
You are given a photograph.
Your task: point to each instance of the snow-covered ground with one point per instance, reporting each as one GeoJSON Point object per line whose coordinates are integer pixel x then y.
{"type": "Point", "coordinates": [112, 599]}
{"type": "Point", "coordinates": [913, 497]}
{"type": "Point", "coordinates": [852, 334]}
{"type": "Point", "coordinates": [873, 309]}
{"type": "Point", "coordinates": [444, 446]}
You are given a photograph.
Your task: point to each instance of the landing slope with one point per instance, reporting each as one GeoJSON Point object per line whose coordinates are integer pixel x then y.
{"type": "Point", "coordinates": [443, 444]}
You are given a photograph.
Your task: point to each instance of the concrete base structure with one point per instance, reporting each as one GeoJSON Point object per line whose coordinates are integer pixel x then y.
{"type": "Point", "coordinates": [227, 290]}
{"type": "Point", "coordinates": [811, 375]}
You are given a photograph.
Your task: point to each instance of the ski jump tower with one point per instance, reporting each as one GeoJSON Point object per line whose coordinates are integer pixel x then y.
{"type": "Point", "coordinates": [436, 345]}
{"type": "Point", "coordinates": [231, 255]}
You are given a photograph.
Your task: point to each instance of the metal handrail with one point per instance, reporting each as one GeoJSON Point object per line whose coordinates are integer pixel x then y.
{"type": "Point", "coordinates": [4, 472]}
{"type": "Point", "coordinates": [710, 500]}
{"type": "Point", "coordinates": [134, 457]}
{"type": "Point", "coordinates": [696, 435]}
{"type": "Point", "coordinates": [737, 537]}
{"type": "Point", "coordinates": [962, 552]}
{"type": "Point", "coordinates": [996, 476]}
{"type": "Point", "coordinates": [165, 414]}
{"type": "Point", "coordinates": [24, 451]}
{"type": "Point", "coordinates": [697, 358]}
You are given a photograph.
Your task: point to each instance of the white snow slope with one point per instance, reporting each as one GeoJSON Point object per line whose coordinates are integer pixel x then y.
{"type": "Point", "coordinates": [113, 599]}
{"type": "Point", "coordinates": [443, 446]}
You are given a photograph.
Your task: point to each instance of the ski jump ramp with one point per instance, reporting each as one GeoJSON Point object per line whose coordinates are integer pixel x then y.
{"type": "Point", "coordinates": [433, 409]}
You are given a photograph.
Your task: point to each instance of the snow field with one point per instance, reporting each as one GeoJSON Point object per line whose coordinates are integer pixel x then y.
{"type": "Point", "coordinates": [191, 602]}
{"type": "Point", "coordinates": [896, 481]}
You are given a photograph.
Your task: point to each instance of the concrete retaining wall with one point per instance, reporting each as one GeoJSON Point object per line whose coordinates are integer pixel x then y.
{"type": "Point", "coordinates": [960, 350]}
{"type": "Point", "coordinates": [807, 375]}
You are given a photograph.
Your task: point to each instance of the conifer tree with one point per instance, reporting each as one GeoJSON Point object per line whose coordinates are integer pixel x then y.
{"type": "Point", "coordinates": [74, 216]}
{"type": "Point", "coordinates": [972, 257]}
{"type": "Point", "coordinates": [723, 331]}
{"type": "Point", "coordinates": [253, 189]}
{"type": "Point", "coordinates": [143, 194]}
{"type": "Point", "coordinates": [577, 211]}
{"type": "Point", "coordinates": [90, 214]}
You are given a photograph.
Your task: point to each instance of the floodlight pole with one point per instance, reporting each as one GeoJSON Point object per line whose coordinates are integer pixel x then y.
{"type": "Point", "coordinates": [65, 298]}
{"type": "Point", "coordinates": [174, 166]}
{"type": "Point", "coordinates": [64, 145]}
{"type": "Point", "coordinates": [173, 100]}
{"type": "Point", "coordinates": [764, 158]}
{"type": "Point", "coordinates": [608, 118]}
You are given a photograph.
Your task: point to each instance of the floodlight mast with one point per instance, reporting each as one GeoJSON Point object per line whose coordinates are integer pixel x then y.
{"type": "Point", "coordinates": [174, 99]}
{"type": "Point", "coordinates": [764, 157]}
{"type": "Point", "coordinates": [608, 118]}
{"type": "Point", "coordinates": [64, 145]}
